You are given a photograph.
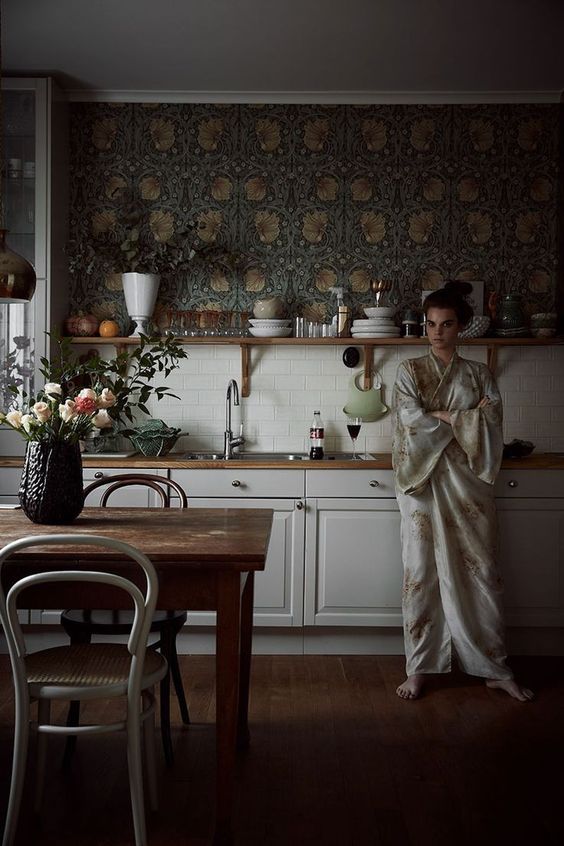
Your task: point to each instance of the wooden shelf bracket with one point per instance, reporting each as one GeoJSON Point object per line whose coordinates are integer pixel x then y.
{"type": "Point", "coordinates": [245, 370]}
{"type": "Point", "coordinates": [368, 361]}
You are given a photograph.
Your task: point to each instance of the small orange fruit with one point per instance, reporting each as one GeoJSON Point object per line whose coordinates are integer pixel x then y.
{"type": "Point", "coordinates": [108, 329]}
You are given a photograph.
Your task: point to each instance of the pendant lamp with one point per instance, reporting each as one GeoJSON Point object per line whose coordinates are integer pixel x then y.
{"type": "Point", "coordinates": [17, 276]}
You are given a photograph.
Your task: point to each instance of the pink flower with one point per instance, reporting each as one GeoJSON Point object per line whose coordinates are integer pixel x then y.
{"type": "Point", "coordinates": [87, 393]}
{"type": "Point", "coordinates": [85, 404]}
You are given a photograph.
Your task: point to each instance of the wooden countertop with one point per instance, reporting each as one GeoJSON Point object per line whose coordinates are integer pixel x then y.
{"type": "Point", "coordinates": [383, 461]}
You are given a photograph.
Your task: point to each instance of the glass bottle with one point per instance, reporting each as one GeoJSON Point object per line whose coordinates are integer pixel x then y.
{"type": "Point", "coordinates": [316, 435]}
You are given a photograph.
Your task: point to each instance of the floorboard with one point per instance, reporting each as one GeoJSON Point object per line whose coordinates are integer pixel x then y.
{"type": "Point", "coordinates": [336, 760]}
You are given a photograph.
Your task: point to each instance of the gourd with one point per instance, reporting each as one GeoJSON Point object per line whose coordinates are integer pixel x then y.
{"type": "Point", "coordinates": [109, 329]}
{"type": "Point", "coordinates": [82, 325]}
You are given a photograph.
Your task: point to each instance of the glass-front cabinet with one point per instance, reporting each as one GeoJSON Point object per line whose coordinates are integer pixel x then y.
{"type": "Point", "coordinates": [35, 202]}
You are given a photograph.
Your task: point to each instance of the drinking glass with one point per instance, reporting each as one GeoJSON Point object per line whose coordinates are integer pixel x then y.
{"type": "Point", "coordinates": [353, 425]}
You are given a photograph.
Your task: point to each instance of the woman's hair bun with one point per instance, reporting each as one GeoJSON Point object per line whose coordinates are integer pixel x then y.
{"type": "Point", "coordinates": [459, 287]}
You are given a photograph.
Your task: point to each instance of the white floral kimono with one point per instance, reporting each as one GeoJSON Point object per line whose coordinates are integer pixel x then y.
{"type": "Point", "coordinates": [452, 592]}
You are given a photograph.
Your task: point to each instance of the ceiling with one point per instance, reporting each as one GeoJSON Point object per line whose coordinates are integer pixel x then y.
{"type": "Point", "coordinates": [300, 49]}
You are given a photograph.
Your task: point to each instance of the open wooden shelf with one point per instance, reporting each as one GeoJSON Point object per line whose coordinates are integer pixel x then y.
{"type": "Point", "coordinates": [367, 344]}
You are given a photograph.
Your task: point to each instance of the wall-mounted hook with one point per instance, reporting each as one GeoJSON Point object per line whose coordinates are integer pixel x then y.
{"type": "Point", "coordinates": [351, 357]}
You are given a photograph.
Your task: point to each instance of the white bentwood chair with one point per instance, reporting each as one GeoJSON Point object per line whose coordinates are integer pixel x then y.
{"type": "Point", "coordinates": [84, 672]}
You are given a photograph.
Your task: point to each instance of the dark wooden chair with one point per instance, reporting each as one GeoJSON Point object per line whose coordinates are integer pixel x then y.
{"type": "Point", "coordinates": [81, 625]}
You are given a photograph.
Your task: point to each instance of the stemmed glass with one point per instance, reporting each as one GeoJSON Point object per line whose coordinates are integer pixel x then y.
{"type": "Point", "coordinates": [353, 425]}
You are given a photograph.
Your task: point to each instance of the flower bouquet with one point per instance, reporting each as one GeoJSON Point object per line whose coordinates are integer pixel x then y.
{"type": "Point", "coordinates": [80, 398]}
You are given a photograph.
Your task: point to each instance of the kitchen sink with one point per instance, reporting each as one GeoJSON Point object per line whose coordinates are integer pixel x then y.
{"type": "Point", "coordinates": [264, 456]}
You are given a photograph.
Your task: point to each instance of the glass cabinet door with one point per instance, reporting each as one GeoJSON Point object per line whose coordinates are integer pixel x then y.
{"type": "Point", "coordinates": [17, 321]}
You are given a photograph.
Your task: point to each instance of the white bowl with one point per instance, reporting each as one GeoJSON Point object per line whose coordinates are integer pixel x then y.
{"type": "Point", "coordinates": [272, 332]}
{"type": "Point", "coordinates": [379, 311]}
{"type": "Point", "coordinates": [270, 324]}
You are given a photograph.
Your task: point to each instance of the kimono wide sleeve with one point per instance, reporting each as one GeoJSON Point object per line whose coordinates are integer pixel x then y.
{"type": "Point", "coordinates": [419, 438]}
{"type": "Point", "coordinates": [479, 431]}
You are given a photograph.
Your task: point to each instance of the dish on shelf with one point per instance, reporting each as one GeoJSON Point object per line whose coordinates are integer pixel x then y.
{"type": "Point", "coordinates": [270, 332]}
{"type": "Point", "coordinates": [375, 321]}
{"type": "Point", "coordinates": [379, 311]}
{"type": "Point", "coordinates": [265, 323]}
{"type": "Point", "coordinates": [387, 334]}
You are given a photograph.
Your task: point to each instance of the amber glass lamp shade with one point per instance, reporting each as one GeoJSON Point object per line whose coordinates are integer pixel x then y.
{"type": "Point", "coordinates": [17, 276]}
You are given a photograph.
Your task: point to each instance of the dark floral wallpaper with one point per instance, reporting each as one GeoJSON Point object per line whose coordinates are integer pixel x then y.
{"type": "Point", "coordinates": [296, 199]}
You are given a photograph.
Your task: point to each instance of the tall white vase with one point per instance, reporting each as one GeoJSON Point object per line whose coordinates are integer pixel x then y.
{"type": "Point", "coordinates": [140, 291]}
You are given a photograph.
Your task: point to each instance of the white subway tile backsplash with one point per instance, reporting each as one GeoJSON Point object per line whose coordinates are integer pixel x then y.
{"type": "Point", "coordinates": [289, 382]}
{"type": "Point", "coordinates": [520, 398]}
{"type": "Point", "coordinates": [552, 398]}
{"type": "Point", "coordinates": [552, 367]}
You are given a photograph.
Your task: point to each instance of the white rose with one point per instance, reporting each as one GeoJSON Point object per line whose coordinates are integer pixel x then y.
{"type": "Point", "coordinates": [42, 411]}
{"type": "Point", "coordinates": [67, 410]}
{"type": "Point", "coordinates": [107, 398]}
{"type": "Point", "coordinates": [53, 388]}
{"type": "Point", "coordinates": [102, 419]}
{"type": "Point", "coordinates": [88, 393]}
{"type": "Point", "coordinates": [28, 421]}
{"type": "Point", "coordinates": [14, 418]}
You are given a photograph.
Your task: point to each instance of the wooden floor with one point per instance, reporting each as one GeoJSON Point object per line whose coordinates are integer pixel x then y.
{"type": "Point", "coordinates": [336, 760]}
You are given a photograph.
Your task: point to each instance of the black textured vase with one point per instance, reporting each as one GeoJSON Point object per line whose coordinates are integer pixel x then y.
{"type": "Point", "coordinates": [51, 485]}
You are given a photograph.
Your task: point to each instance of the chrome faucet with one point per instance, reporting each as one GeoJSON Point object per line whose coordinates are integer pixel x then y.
{"type": "Point", "coordinates": [229, 442]}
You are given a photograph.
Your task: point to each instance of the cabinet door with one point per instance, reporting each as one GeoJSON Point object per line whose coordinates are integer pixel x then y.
{"type": "Point", "coordinates": [353, 563]}
{"type": "Point", "coordinates": [531, 543]}
{"type": "Point", "coordinates": [279, 587]}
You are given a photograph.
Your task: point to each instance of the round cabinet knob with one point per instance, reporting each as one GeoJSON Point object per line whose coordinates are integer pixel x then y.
{"type": "Point", "coordinates": [374, 484]}
{"type": "Point", "coordinates": [513, 483]}
{"type": "Point", "coordinates": [98, 475]}
{"type": "Point", "coordinates": [236, 483]}
{"type": "Point", "coordinates": [299, 505]}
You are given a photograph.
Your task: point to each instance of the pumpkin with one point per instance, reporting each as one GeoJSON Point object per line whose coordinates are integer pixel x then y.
{"type": "Point", "coordinates": [109, 329]}
{"type": "Point", "coordinates": [82, 325]}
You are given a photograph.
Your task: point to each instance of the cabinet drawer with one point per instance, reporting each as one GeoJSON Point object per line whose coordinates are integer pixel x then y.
{"type": "Point", "coordinates": [530, 483]}
{"type": "Point", "coordinates": [239, 482]}
{"type": "Point", "coordinates": [350, 483]}
{"type": "Point", "coordinates": [131, 496]}
{"type": "Point", "coordinates": [10, 480]}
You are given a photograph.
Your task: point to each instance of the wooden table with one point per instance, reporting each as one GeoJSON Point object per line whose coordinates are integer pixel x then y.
{"type": "Point", "coordinates": [205, 559]}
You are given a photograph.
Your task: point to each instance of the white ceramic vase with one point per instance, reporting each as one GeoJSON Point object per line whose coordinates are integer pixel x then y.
{"type": "Point", "coordinates": [140, 291]}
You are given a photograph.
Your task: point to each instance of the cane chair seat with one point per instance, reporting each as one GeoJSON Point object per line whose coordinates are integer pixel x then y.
{"type": "Point", "coordinates": [92, 664]}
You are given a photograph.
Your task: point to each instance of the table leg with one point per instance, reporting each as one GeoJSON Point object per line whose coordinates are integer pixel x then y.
{"type": "Point", "coordinates": [228, 633]}
{"type": "Point", "coordinates": [247, 601]}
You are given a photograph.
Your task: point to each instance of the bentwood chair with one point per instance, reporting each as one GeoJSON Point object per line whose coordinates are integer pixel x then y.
{"type": "Point", "coordinates": [81, 625]}
{"type": "Point", "coordinates": [84, 672]}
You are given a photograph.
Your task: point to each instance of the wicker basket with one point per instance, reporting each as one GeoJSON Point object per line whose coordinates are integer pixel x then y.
{"type": "Point", "coordinates": [154, 438]}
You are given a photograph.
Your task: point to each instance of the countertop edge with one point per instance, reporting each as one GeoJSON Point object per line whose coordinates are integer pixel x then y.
{"type": "Point", "coordinates": [540, 461]}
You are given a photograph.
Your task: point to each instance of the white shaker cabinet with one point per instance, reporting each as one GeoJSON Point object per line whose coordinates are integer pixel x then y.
{"type": "Point", "coordinates": [353, 556]}
{"type": "Point", "coordinates": [530, 507]}
{"type": "Point", "coordinates": [279, 588]}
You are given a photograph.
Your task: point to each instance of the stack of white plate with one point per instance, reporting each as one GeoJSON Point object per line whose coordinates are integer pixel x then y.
{"type": "Point", "coordinates": [378, 324]}
{"type": "Point", "coordinates": [265, 328]}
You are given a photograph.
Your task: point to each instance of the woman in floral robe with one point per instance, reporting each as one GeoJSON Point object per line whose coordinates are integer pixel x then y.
{"type": "Point", "coordinates": [447, 452]}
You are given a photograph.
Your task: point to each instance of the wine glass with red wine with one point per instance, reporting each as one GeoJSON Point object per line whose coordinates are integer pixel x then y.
{"type": "Point", "coordinates": [353, 425]}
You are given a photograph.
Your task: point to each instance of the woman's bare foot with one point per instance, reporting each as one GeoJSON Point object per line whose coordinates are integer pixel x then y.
{"type": "Point", "coordinates": [411, 687]}
{"type": "Point", "coordinates": [523, 694]}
